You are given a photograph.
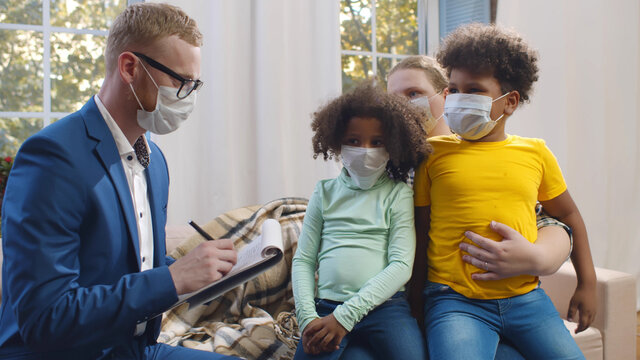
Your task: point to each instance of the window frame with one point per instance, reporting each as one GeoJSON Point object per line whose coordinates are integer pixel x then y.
{"type": "Point", "coordinates": [47, 30]}
{"type": "Point", "coordinates": [428, 32]}
{"type": "Point", "coordinates": [428, 35]}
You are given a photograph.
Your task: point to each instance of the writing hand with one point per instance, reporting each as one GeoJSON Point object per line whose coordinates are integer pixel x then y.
{"type": "Point", "coordinates": [203, 265]}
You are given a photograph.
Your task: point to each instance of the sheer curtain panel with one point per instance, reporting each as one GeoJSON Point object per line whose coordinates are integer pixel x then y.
{"type": "Point", "coordinates": [267, 66]}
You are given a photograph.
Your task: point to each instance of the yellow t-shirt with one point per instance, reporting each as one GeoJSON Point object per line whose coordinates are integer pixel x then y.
{"type": "Point", "coordinates": [468, 184]}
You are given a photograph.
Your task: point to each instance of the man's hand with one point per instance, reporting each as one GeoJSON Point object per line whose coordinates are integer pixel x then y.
{"type": "Point", "coordinates": [323, 335]}
{"type": "Point", "coordinates": [208, 262]}
{"type": "Point", "coordinates": [583, 302]}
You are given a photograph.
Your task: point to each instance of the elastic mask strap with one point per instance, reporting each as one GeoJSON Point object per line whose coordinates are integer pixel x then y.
{"type": "Point", "coordinates": [136, 96]}
{"type": "Point", "coordinates": [494, 100]}
{"type": "Point", "coordinates": [499, 117]}
{"type": "Point", "coordinates": [434, 95]}
{"type": "Point", "coordinates": [154, 82]}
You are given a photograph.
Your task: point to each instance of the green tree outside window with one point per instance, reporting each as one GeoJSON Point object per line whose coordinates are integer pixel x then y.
{"type": "Point", "coordinates": [375, 35]}
{"type": "Point", "coordinates": [51, 61]}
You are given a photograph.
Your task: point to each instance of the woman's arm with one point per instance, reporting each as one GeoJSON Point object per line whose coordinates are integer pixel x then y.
{"type": "Point", "coordinates": [515, 255]}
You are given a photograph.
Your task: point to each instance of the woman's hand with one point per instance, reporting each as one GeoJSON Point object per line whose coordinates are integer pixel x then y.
{"type": "Point", "coordinates": [515, 255]}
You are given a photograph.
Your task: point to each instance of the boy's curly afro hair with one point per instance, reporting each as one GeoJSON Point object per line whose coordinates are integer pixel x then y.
{"type": "Point", "coordinates": [482, 49]}
{"type": "Point", "coordinates": [404, 138]}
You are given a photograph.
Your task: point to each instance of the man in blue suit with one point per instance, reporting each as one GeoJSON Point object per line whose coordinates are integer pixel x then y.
{"type": "Point", "coordinates": [85, 208]}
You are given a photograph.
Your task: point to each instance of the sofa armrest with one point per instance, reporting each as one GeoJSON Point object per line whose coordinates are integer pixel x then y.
{"type": "Point", "coordinates": [175, 234]}
{"type": "Point", "coordinates": [616, 309]}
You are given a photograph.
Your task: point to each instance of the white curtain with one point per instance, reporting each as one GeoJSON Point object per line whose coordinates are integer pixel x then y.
{"type": "Point", "coordinates": [267, 66]}
{"type": "Point", "coordinates": [587, 107]}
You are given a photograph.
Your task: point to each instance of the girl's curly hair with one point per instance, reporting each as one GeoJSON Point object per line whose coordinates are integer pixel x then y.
{"type": "Point", "coordinates": [490, 49]}
{"type": "Point", "coordinates": [404, 138]}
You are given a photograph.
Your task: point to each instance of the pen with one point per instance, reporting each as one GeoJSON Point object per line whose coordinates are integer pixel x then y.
{"type": "Point", "coordinates": [200, 230]}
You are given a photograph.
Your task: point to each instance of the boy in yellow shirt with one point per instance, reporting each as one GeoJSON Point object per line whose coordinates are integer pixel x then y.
{"type": "Point", "coordinates": [480, 174]}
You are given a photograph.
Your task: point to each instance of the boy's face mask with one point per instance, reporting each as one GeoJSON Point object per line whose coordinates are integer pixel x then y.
{"type": "Point", "coordinates": [468, 115]}
{"type": "Point", "coordinates": [365, 165]}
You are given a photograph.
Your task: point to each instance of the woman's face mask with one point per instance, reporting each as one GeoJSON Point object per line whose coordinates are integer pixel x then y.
{"type": "Point", "coordinates": [170, 112]}
{"type": "Point", "coordinates": [365, 165]}
{"type": "Point", "coordinates": [468, 115]}
{"type": "Point", "coordinates": [423, 102]}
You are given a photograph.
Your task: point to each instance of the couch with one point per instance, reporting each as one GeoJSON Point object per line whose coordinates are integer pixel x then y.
{"type": "Point", "coordinates": [613, 332]}
{"type": "Point", "coordinates": [611, 336]}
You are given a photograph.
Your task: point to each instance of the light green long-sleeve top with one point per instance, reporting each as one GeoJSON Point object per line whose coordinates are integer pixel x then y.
{"type": "Point", "coordinates": [362, 242]}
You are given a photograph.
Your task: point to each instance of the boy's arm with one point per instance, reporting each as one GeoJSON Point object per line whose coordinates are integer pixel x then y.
{"type": "Point", "coordinates": [419, 273]}
{"type": "Point", "coordinates": [583, 301]}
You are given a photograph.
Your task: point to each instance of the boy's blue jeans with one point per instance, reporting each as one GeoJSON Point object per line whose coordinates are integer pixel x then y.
{"type": "Point", "coordinates": [461, 328]}
{"type": "Point", "coordinates": [389, 331]}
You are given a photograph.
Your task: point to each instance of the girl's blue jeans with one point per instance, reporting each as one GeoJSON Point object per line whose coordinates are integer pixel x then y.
{"type": "Point", "coordinates": [389, 331]}
{"type": "Point", "coordinates": [458, 327]}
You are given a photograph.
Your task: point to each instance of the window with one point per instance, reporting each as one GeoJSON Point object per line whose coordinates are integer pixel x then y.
{"type": "Point", "coordinates": [51, 61]}
{"type": "Point", "coordinates": [376, 34]}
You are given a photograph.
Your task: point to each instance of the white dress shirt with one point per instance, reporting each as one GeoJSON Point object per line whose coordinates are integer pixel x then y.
{"type": "Point", "coordinates": [137, 187]}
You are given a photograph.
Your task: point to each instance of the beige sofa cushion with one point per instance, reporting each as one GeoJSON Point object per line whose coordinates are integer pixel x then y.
{"type": "Point", "coordinates": [589, 341]}
{"type": "Point", "coordinates": [616, 312]}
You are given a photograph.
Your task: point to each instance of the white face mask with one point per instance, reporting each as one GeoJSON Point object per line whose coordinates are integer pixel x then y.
{"type": "Point", "coordinates": [170, 112]}
{"type": "Point", "coordinates": [423, 102]}
{"type": "Point", "coordinates": [468, 115]}
{"type": "Point", "coordinates": [365, 165]}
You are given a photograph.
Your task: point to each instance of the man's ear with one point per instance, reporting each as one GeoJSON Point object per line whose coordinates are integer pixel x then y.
{"type": "Point", "coordinates": [512, 102]}
{"type": "Point", "coordinates": [127, 66]}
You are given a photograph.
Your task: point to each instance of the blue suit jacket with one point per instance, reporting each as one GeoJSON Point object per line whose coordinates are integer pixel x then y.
{"type": "Point", "coordinates": [72, 287]}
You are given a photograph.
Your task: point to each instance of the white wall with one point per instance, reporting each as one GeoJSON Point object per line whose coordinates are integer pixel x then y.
{"type": "Point", "coordinates": [586, 105]}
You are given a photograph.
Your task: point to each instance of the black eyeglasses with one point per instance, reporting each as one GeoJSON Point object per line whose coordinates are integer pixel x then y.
{"type": "Point", "coordinates": [187, 86]}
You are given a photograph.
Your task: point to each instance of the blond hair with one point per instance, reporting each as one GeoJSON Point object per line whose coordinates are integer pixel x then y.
{"type": "Point", "coordinates": [143, 23]}
{"type": "Point", "coordinates": [435, 73]}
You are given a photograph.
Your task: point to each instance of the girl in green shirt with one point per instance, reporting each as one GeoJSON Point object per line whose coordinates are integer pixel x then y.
{"type": "Point", "coordinates": [358, 231]}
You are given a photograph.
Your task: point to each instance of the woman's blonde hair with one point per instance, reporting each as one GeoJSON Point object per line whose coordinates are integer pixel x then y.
{"type": "Point", "coordinates": [435, 73]}
{"type": "Point", "coordinates": [143, 23]}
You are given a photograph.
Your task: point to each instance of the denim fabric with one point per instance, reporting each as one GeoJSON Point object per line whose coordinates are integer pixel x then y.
{"type": "Point", "coordinates": [389, 331]}
{"type": "Point", "coordinates": [166, 352]}
{"type": "Point", "coordinates": [461, 328]}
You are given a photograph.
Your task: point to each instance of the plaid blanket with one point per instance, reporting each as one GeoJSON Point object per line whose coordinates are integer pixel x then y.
{"type": "Point", "coordinates": [255, 320]}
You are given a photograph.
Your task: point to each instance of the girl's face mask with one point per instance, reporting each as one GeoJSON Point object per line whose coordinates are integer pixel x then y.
{"type": "Point", "coordinates": [365, 165]}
